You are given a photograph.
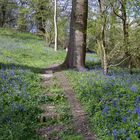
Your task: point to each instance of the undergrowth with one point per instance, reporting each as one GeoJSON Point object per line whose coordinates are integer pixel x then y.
{"type": "Point", "coordinates": [112, 102]}
{"type": "Point", "coordinates": [22, 57]}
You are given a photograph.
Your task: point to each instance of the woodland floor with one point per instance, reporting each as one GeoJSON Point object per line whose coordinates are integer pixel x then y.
{"type": "Point", "coordinates": [79, 122]}
{"type": "Point", "coordinates": [63, 105]}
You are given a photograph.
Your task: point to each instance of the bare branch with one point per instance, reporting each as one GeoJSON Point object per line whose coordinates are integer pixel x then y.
{"type": "Point", "coordinates": [120, 62]}
{"type": "Point", "coordinates": [117, 14]}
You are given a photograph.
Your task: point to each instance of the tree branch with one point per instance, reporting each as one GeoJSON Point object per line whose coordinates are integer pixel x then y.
{"type": "Point", "coordinates": [117, 14]}
{"type": "Point", "coordinates": [119, 63]}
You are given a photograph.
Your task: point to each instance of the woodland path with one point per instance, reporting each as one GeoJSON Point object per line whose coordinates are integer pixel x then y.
{"type": "Point", "coordinates": [80, 121]}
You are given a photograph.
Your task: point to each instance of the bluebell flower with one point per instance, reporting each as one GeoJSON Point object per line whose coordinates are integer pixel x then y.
{"type": "Point", "coordinates": [11, 73]}
{"type": "Point", "coordinates": [114, 132]}
{"type": "Point", "coordinates": [123, 119]}
{"type": "Point", "coordinates": [138, 124]}
{"type": "Point", "coordinates": [128, 111]}
{"type": "Point", "coordinates": [136, 132]}
{"type": "Point", "coordinates": [137, 111]}
{"type": "Point", "coordinates": [21, 108]}
{"type": "Point", "coordinates": [115, 119]}
{"type": "Point", "coordinates": [128, 138]}
{"type": "Point", "coordinates": [105, 110]}
{"type": "Point", "coordinates": [137, 100]}
{"type": "Point", "coordinates": [122, 131]}
{"type": "Point", "coordinates": [3, 67]}
{"type": "Point", "coordinates": [13, 67]}
{"type": "Point", "coordinates": [133, 89]}
{"type": "Point", "coordinates": [114, 103]}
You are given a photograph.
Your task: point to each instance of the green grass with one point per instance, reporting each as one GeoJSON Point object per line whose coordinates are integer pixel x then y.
{"type": "Point", "coordinates": [26, 50]}
{"type": "Point", "coordinates": [92, 61]}
{"type": "Point", "coordinates": [64, 114]}
{"type": "Point", "coordinates": [22, 56]}
{"type": "Point", "coordinates": [112, 102]}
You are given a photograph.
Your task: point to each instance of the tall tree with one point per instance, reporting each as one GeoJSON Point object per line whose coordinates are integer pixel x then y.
{"type": "Point", "coordinates": [103, 44]}
{"type": "Point", "coordinates": [7, 11]}
{"type": "Point", "coordinates": [123, 15]}
{"type": "Point", "coordinates": [55, 26]}
{"type": "Point", "coordinates": [22, 13]}
{"type": "Point", "coordinates": [78, 32]}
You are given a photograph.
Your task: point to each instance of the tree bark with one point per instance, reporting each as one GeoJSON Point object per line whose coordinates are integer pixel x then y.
{"type": "Point", "coordinates": [3, 13]}
{"type": "Point", "coordinates": [124, 20]}
{"type": "Point", "coordinates": [123, 17]}
{"type": "Point", "coordinates": [78, 31]}
{"type": "Point", "coordinates": [55, 26]}
{"type": "Point", "coordinates": [103, 38]}
{"type": "Point", "coordinates": [126, 34]}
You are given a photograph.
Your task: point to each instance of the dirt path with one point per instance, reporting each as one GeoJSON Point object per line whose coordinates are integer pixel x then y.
{"type": "Point", "coordinates": [80, 122]}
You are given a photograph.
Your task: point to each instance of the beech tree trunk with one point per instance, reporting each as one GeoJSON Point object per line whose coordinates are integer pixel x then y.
{"type": "Point", "coordinates": [78, 31]}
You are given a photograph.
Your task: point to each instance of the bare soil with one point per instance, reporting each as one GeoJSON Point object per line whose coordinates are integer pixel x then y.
{"type": "Point", "coordinates": [80, 120]}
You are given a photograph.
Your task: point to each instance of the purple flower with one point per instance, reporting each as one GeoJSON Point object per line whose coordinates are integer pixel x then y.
{"type": "Point", "coordinates": [122, 131]}
{"type": "Point", "coordinates": [105, 110]}
{"type": "Point", "coordinates": [137, 100]}
{"type": "Point", "coordinates": [114, 132]}
{"type": "Point", "coordinates": [123, 119]}
{"type": "Point", "coordinates": [128, 138]}
{"type": "Point", "coordinates": [133, 89]}
{"type": "Point", "coordinates": [11, 73]}
{"type": "Point", "coordinates": [137, 111]}
{"type": "Point", "coordinates": [114, 103]}
{"type": "Point", "coordinates": [136, 132]}
{"type": "Point", "coordinates": [138, 124]}
{"type": "Point", "coordinates": [128, 111]}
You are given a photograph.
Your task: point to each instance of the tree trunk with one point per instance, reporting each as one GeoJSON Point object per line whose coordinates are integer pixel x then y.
{"type": "Point", "coordinates": [123, 17]}
{"type": "Point", "coordinates": [3, 11]}
{"type": "Point", "coordinates": [125, 24]}
{"type": "Point", "coordinates": [103, 38]}
{"type": "Point", "coordinates": [78, 30]}
{"type": "Point", "coordinates": [55, 26]}
{"type": "Point", "coordinates": [126, 34]}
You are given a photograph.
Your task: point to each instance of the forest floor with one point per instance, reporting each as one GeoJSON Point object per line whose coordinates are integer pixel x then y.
{"type": "Point", "coordinates": [79, 119]}
{"type": "Point", "coordinates": [51, 103]}
{"type": "Point", "coordinates": [56, 119]}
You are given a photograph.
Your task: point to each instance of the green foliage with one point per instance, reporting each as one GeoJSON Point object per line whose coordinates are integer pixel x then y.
{"type": "Point", "coordinates": [112, 102]}
{"type": "Point", "coordinates": [62, 109]}
{"type": "Point", "coordinates": [22, 21]}
{"type": "Point", "coordinates": [19, 109]}
{"type": "Point", "coordinates": [92, 60]}
{"type": "Point", "coordinates": [22, 56]}
{"type": "Point", "coordinates": [27, 50]}
{"type": "Point", "coordinates": [7, 8]}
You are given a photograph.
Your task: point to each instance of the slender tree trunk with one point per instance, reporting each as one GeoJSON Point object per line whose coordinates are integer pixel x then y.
{"type": "Point", "coordinates": [126, 34]}
{"type": "Point", "coordinates": [55, 26]}
{"type": "Point", "coordinates": [124, 20]}
{"type": "Point", "coordinates": [123, 17]}
{"type": "Point", "coordinates": [3, 10]}
{"type": "Point", "coordinates": [103, 39]}
{"type": "Point", "coordinates": [78, 29]}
